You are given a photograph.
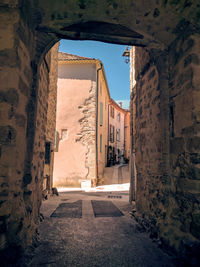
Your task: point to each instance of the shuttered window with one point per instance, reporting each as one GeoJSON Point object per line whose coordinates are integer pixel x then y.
{"type": "Point", "coordinates": [101, 114]}
{"type": "Point", "coordinates": [118, 134]}
{"type": "Point", "coordinates": [112, 133]}
{"type": "Point", "coordinates": [101, 143]}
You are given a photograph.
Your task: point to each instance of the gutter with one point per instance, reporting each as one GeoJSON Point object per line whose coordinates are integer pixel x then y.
{"type": "Point", "coordinates": [97, 120]}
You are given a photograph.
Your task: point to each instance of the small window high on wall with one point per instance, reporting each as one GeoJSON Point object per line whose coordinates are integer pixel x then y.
{"type": "Point", "coordinates": [64, 134]}
{"type": "Point", "coordinates": [112, 112]}
{"type": "Point", "coordinates": [118, 116]}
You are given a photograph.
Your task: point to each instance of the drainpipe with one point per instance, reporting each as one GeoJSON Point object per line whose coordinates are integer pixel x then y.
{"type": "Point", "coordinates": [97, 121]}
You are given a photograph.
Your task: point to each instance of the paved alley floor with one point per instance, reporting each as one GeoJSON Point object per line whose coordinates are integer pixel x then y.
{"type": "Point", "coordinates": [118, 174]}
{"type": "Point", "coordinates": [93, 229]}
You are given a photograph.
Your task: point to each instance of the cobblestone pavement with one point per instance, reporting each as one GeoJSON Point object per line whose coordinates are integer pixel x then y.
{"type": "Point", "coordinates": [93, 229]}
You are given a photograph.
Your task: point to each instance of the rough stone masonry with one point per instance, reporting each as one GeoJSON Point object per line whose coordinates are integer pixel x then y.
{"type": "Point", "coordinates": [166, 107]}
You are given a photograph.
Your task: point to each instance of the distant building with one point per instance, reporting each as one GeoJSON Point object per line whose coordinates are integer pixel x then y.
{"type": "Point", "coordinates": [82, 121]}
{"type": "Point", "coordinates": [118, 134]}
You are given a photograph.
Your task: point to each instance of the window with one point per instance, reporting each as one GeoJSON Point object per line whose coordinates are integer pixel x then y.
{"type": "Point", "coordinates": [101, 113]}
{"type": "Point", "coordinates": [112, 135]}
{"type": "Point", "coordinates": [100, 143]}
{"type": "Point", "coordinates": [118, 116]}
{"type": "Point", "coordinates": [64, 134]}
{"type": "Point", "coordinates": [118, 134]}
{"type": "Point", "coordinates": [47, 152]}
{"type": "Point", "coordinates": [112, 111]}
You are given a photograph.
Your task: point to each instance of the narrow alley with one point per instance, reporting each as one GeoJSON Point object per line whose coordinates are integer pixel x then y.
{"type": "Point", "coordinates": [93, 229]}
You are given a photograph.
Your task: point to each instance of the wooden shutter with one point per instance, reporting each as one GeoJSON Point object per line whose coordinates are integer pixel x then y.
{"type": "Point", "coordinates": [101, 113]}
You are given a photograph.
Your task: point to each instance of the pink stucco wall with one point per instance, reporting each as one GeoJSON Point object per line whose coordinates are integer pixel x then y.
{"type": "Point", "coordinates": [74, 88]}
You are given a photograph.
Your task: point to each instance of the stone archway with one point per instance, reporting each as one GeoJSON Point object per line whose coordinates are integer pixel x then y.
{"type": "Point", "coordinates": [167, 195]}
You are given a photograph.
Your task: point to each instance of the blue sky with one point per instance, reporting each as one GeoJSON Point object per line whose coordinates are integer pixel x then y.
{"type": "Point", "coordinates": [117, 71]}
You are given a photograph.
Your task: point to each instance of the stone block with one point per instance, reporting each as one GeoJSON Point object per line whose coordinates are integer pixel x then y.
{"type": "Point", "coordinates": [193, 144]}
{"type": "Point", "coordinates": [185, 77]}
{"type": "Point", "coordinates": [191, 186]}
{"type": "Point", "coordinates": [195, 158]}
{"type": "Point", "coordinates": [7, 135]}
{"type": "Point", "coordinates": [192, 58]}
{"type": "Point", "coordinates": [8, 19]}
{"type": "Point", "coordinates": [23, 87]}
{"type": "Point", "coordinates": [10, 96]}
{"type": "Point", "coordinates": [3, 172]}
{"type": "Point", "coordinates": [196, 173]}
{"type": "Point", "coordinates": [177, 145]}
{"type": "Point", "coordinates": [4, 208]}
{"type": "Point", "coordinates": [2, 241]}
{"type": "Point", "coordinates": [195, 225]}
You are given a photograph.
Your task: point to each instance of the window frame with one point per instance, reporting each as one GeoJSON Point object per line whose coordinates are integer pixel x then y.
{"type": "Point", "coordinates": [101, 114]}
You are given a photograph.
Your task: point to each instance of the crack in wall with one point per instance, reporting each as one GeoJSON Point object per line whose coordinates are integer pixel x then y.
{"type": "Point", "coordinates": [87, 133]}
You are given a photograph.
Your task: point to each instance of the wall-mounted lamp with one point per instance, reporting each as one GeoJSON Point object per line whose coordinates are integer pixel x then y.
{"type": "Point", "coordinates": [126, 55]}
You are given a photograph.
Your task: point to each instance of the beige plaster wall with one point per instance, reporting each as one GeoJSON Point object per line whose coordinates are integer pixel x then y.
{"type": "Point", "coordinates": [75, 105]}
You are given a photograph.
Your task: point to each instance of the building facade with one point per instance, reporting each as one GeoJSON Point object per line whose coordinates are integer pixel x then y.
{"type": "Point", "coordinates": [81, 121]}
{"type": "Point", "coordinates": [116, 134]}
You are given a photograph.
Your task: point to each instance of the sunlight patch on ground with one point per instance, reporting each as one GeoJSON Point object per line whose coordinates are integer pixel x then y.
{"type": "Point", "coordinates": [102, 188]}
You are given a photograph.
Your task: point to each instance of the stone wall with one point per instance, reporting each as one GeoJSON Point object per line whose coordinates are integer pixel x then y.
{"type": "Point", "coordinates": [23, 109]}
{"type": "Point", "coordinates": [51, 117]}
{"type": "Point", "coordinates": [167, 142]}
{"type": "Point", "coordinates": [184, 114]}
{"type": "Point", "coordinates": [16, 215]}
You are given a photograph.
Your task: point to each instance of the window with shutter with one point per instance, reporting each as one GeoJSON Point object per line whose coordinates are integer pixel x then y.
{"type": "Point", "coordinates": [100, 143]}
{"type": "Point", "coordinates": [101, 114]}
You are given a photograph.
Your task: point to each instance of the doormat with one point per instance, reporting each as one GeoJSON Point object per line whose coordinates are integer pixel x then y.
{"type": "Point", "coordinates": [105, 209]}
{"type": "Point", "coordinates": [68, 210]}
